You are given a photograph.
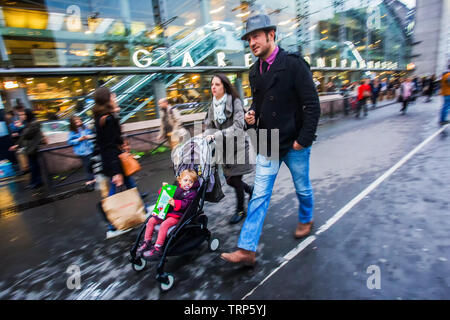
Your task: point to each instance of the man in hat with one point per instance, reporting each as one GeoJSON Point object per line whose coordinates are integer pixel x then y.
{"type": "Point", "coordinates": [285, 102]}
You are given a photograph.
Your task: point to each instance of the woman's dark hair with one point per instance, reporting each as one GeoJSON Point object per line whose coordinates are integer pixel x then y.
{"type": "Point", "coordinates": [30, 116]}
{"type": "Point", "coordinates": [229, 88]}
{"type": "Point", "coordinates": [73, 126]}
{"type": "Point", "coordinates": [102, 98]}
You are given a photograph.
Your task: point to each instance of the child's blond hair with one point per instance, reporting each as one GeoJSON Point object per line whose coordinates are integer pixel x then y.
{"type": "Point", "coordinates": [191, 173]}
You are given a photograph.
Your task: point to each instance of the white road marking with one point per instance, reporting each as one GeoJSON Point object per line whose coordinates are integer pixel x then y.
{"type": "Point", "coordinates": [338, 215]}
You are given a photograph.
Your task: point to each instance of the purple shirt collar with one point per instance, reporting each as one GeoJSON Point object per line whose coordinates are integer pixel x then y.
{"type": "Point", "coordinates": [269, 60]}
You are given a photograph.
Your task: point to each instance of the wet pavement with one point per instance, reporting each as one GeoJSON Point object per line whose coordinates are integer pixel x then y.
{"type": "Point", "coordinates": [399, 229]}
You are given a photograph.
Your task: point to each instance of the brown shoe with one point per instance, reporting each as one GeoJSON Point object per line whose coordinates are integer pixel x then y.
{"type": "Point", "coordinates": [303, 229]}
{"type": "Point", "coordinates": [240, 256]}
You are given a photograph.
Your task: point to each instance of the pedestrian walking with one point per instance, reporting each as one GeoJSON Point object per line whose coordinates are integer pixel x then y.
{"type": "Point", "coordinates": [29, 141]}
{"type": "Point", "coordinates": [406, 91]}
{"type": "Point", "coordinates": [224, 122]}
{"type": "Point", "coordinates": [171, 124]}
{"type": "Point", "coordinates": [431, 84]}
{"type": "Point", "coordinates": [286, 104]}
{"type": "Point", "coordinates": [79, 138]}
{"type": "Point", "coordinates": [375, 87]}
{"type": "Point", "coordinates": [383, 89]}
{"type": "Point", "coordinates": [110, 144]}
{"type": "Point", "coordinates": [364, 93]}
{"type": "Point", "coordinates": [344, 91]}
{"type": "Point", "coordinates": [445, 91]}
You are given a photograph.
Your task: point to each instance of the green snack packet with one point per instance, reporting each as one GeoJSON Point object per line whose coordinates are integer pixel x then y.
{"type": "Point", "coordinates": [162, 204]}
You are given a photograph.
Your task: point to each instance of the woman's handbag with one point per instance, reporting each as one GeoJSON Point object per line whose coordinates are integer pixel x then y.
{"type": "Point", "coordinates": [129, 164]}
{"type": "Point", "coordinates": [216, 193]}
{"type": "Point", "coordinates": [125, 209]}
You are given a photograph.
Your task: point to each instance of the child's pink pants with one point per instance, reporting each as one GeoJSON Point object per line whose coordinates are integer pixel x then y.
{"type": "Point", "coordinates": [165, 226]}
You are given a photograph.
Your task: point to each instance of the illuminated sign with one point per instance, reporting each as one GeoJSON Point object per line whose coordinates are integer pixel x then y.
{"type": "Point", "coordinates": [142, 60]}
{"type": "Point", "coordinates": [137, 60]}
{"type": "Point", "coordinates": [187, 59]}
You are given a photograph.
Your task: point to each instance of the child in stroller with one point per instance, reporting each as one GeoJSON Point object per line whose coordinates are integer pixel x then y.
{"type": "Point", "coordinates": [191, 229]}
{"type": "Point", "coordinates": [187, 187]}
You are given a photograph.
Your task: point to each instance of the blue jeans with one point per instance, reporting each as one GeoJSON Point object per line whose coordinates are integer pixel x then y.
{"type": "Point", "coordinates": [266, 172]}
{"type": "Point", "coordinates": [128, 181]}
{"type": "Point", "coordinates": [445, 108]}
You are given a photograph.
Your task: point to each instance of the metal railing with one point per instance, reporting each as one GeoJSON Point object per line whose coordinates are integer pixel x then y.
{"type": "Point", "coordinates": [58, 180]}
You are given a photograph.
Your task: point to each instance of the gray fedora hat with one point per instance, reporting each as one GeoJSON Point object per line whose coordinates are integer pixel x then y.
{"type": "Point", "coordinates": [258, 22]}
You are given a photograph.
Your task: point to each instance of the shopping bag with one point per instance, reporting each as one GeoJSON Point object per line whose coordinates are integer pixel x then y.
{"type": "Point", "coordinates": [129, 164]}
{"type": "Point", "coordinates": [124, 209]}
{"type": "Point", "coordinates": [216, 193]}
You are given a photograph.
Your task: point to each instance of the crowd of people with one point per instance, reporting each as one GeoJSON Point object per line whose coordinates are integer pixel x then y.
{"type": "Point", "coordinates": [365, 94]}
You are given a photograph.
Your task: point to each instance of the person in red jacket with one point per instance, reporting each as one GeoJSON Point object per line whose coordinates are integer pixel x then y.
{"type": "Point", "coordinates": [364, 92]}
{"type": "Point", "coordinates": [187, 187]}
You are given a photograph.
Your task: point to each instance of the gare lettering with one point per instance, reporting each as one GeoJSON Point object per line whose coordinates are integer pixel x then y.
{"type": "Point", "coordinates": [141, 58]}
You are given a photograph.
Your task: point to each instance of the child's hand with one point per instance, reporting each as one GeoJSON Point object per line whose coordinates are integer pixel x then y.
{"type": "Point", "coordinates": [171, 202]}
{"type": "Point", "coordinates": [164, 184]}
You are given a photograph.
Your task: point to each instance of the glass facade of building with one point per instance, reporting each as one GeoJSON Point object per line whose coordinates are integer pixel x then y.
{"type": "Point", "coordinates": [89, 41]}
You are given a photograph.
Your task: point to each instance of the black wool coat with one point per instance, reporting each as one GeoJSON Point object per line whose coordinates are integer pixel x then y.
{"type": "Point", "coordinates": [109, 141]}
{"type": "Point", "coordinates": [285, 98]}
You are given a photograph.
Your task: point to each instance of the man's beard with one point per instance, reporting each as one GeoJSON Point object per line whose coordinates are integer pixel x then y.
{"type": "Point", "coordinates": [263, 53]}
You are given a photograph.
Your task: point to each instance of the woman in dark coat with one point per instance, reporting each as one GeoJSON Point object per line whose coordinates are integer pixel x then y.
{"type": "Point", "coordinates": [110, 142]}
{"type": "Point", "coordinates": [225, 120]}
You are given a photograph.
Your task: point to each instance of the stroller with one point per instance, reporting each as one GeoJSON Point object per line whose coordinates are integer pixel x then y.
{"type": "Point", "coordinates": [191, 231]}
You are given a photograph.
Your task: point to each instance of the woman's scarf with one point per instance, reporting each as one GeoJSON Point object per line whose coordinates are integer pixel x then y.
{"type": "Point", "coordinates": [219, 109]}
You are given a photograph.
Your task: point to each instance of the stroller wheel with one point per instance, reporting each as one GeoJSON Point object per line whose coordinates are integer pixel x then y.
{"type": "Point", "coordinates": [139, 266]}
{"type": "Point", "coordinates": [214, 244]}
{"type": "Point", "coordinates": [169, 279]}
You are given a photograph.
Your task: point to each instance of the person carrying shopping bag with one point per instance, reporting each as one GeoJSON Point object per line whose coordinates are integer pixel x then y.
{"type": "Point", "coordinates": [110, 144]}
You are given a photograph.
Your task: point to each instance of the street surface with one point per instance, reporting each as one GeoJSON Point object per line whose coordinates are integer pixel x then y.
{"type": "Point", "coordinates": [390, 244]}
